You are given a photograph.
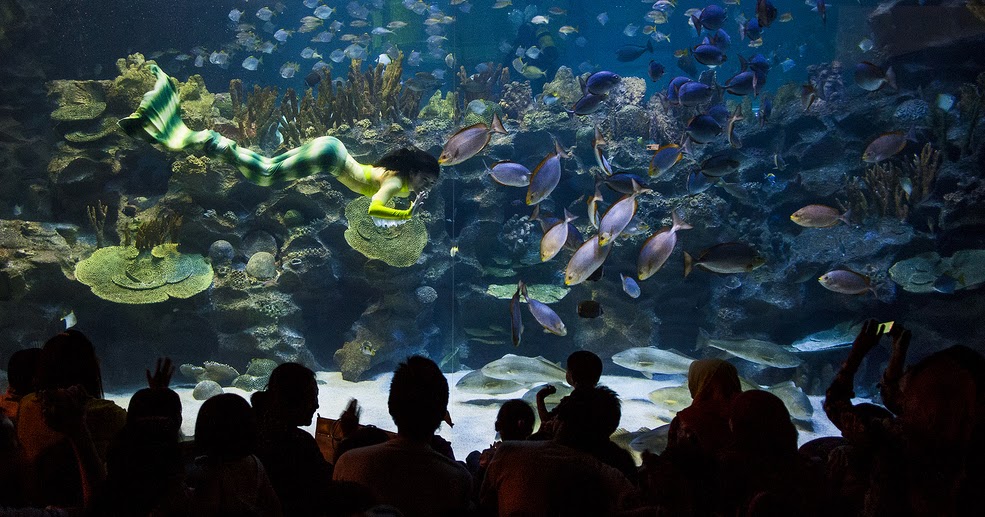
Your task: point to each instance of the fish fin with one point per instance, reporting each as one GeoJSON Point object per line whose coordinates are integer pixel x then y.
{"type": "Point", "coordinates": [535, 215]}
{"type": "Point", "coordinates": [649, 45]}
{"type": "Point", "coordinates": [583, 82]}
{"type": "Point", "coordinates": [891, 79]}
{"type": "Point", "coordinates": [568, 216]}
{"type": "Point", "coordinates": [702, 340]}
{"type": "Point", "coordinates": [648, 375]}
{"type": "Point", "coordinates": [688, 264]}
{"type": "Point", "coordinates": [497, 125]}
{"type": "Point", "coordinates": [522, 287]}
{"type": "Point", "coordinates": [679, 223]}
{"type": "Point", "coordinates": [846, 217]}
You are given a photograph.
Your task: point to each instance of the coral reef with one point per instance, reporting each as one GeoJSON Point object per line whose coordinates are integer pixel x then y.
{"type": "Point", "coordinates": [196, 103]}
{"type": "Point", "coordinates": [827, 80]}
{"type": "Point", "coordinates": [254, 114]}
{"type": "Point", "coordinates": [546, 293]}
{"type": "Point", "coordinates": [564, 86]}
{"type": "Point", "coordinates": [399, 246]}
{"type": "Point", "coordinates": [912, 111]}
{"type": "Point", "coordinates": [517, 99]}
{"type": "Point", "coordinates": [922, 171]}
{"type": "Point", "coordinates": [972, 105]}
{"type": "Point", "coordinates": [486, 84]}
{"type": "Point", "coordinates": [123, 274]}
{"type": "Point", "coordinates": [256, 376]}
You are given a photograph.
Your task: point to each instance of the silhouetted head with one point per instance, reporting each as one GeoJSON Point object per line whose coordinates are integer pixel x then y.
{"type": "Point", "coordinates": [155, 406]}
{"type": "Point", "coordinates": [419, 169]}
{"type": "Point", "coordinates": [584, 369]}
{"type": "Point", "coordinates": [761, 423]}
{"type": "Point", "coordinates": [68, 359]}
{"type": "Point", "coordinates": [588, 417]}
{"type": "Point", "coordinates": [943, 397]}
{"type": "Point", "coordinates": [226, 428]}
{"type": "Point", "coordinates": [418, 397]}
{"type": "Point", "coordinates": [515, 420]}
{"type": "Point", "coordinates": [293, 393]}
{"type": "Point", "coordinates": [22, 370]}
{"type": "Point", "coordinates": [713, 379]}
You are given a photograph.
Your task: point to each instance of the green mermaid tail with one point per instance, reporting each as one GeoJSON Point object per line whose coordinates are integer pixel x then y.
{"type": "Point", "coordinates": [158, 120]}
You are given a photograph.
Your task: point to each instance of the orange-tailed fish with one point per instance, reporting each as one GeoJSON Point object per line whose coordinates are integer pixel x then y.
{"type": "Point", "coordinates": [469, 141]}
{"type": "Point", "coordinates": [658, 248]}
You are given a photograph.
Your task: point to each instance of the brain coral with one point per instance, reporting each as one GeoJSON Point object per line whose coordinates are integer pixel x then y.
{"type": "Point", "coordinates": [122, 274]}
{"type": "Point", "coordinates": [399, 246]}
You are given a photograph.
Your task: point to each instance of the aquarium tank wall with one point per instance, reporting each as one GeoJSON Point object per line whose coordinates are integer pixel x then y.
{"type": "Point", "coordinates": [652, 182]}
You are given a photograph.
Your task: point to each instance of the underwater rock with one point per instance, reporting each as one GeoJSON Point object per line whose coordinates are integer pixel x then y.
{"type": "Point", "coordinates": [398, 246]}
{"type": "Point", "coordinates": [262, 266]}
{"type": "Point", "coordinates": [544, 293]}
{"type": "Point", "coordinates": [196, 103]}
{"type": "Point", "coordinates": [256, 376]}
{"type": "Point", "coordinates": [564, 86]}
{"type": "Point", "coordinates": [257, 241]}
{"type": "Point", "coordinates": [631, 91]}
{"type": "Point", "coordinates": [33, 256]}
{"type": "Point", "coordinates": [205, 390]}
{"type": "Point", "coordinates": [517, 99]}
{"type": "Point", "coordinates": [630, 122]}
{"type": "Point", "coordinates": [221, 252]}
{"type": "Point", "coordinates": [208, 182]}
{"type": "Point", "coordinates": [426, 294]}
{"type": "Point", "coordinates": [962, 209]}
{"type": "Point", "coordinates": [129, 87]}
{"type": "Point", "coordinates": [209, 371]}
{"type": "Point", "coordinates": [106, 127]}
{"type": "Point", "coordinates": [77, 100]}
{"type": "Point", "coordinates": [122, 274]}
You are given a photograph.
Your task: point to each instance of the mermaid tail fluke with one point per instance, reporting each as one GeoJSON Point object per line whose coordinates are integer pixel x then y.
{"type": "Point", "coordinates": [158, 118]}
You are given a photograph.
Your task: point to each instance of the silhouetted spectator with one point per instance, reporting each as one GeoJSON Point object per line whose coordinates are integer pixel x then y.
{"type": "Point", "coordinates": [22, 371]}
{"type": "Point", "coordinates": [927, 460]}
{"type": "Point", "coordinates": [514, 421]}
{"type": "Point", "coordinates": [232, 479]}
{"type": "Point", "coordinates": [554, 477]}
{"type": "Point", "coordinates": [406, 472]}
{"type": "Point", "coordinates": [583, 371]}
{"type": "Point", "coordinates": [294, 464]}
{"type": "Point", "coordinates": [68, 359]}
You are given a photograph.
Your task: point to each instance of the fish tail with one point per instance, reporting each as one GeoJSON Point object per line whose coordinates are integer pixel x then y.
{"type": "Point", "coordinates": [846, 217]}
{"type": "Point", "coordinates": [702, 340]}
{"type": "Point", "coordinates": [649, 45]}
{"type": "Point", "coordinates": [158, 118]}
{"type": "Point", "coordinates": [688, 264]}
{"type": "Point", "coordinates": [679, 224]}
{"type": "Point", "coordinates": [522, 287]}
{"type": "Point", "coordinates": [497, 125]}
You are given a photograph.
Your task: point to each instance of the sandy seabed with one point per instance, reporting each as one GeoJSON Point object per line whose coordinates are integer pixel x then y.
{"type": "Point", "coordinates": [475, 414]}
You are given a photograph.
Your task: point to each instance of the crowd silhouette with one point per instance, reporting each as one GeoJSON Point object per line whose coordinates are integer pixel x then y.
{"type": "Point", "coordinates": [66, 450]}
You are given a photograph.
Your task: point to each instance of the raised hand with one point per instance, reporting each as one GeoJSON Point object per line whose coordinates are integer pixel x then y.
{"type": "Point", "coordinates": [161, 378]}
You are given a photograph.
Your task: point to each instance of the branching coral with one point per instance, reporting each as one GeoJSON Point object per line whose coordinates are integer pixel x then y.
{"type": "Point", "coordinates": [254, 113]}
{"type": "Point", "coordinates": [97, 218]}
{"type": "Point", "coordinates": [884, 185]}
{"type": "Point", "coordinates": [157, 231]}
{"type": "Point", "coordinates": [485, 85]}
{"type": "Point", "coordinates": [972, 106]}
{"type": "Point", "coordinates": [922, 171]}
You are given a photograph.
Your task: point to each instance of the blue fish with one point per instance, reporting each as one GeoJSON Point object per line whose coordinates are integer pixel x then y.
{"type": "Point", "coordinates": [719, 112]}
{"type": "Point", "coordinates": [656, 71]}
{"type": "Point", "coordinates": [711, 18]}
{"type": "Point", "coordinates": [703, 128]}
{"type": "Point", "coordinates": [510, 174]}
{"type": "Point", "coordinates": [765, 111]}
{"type": "Point", "coordinates": [600, 83]}
{"type": "Point", "coordinates": [586, 105]}
{"type": "Point", "coordinates": [708, 55]}
{"type": "Point", "coordinates": [765, 13]}
{"type": "Point", "coordinates": [720, 39]}
{"type": "Point", "coordinates": [751, 29]}
{"type": "Point", "coordinates": [743, 83]}
{"type": "Point", "coordinates": [545, 177]}
{"type": "Point", "coordinates": [630, 286]}
{"type": "Point", "coordinates": [628, 53]}
{"type": "Point", "coordinates": [698, 183]}
{"type": "Point", "coordinates": [694, 93]}
{"type": "Point", "coordinates": [622, 182]}
{"type": "Point", "coordinates": [673, 87]}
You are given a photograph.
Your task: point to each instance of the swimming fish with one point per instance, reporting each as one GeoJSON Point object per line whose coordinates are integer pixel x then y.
{"type": "Point", "coordinates": [629, 286]}
{"type": "Point", "coordinates": [733, 140]}
{"type": "Point", "coordinates": [281, 35]}
{"type": "Point", "coordinates": [586, 105]}
{"type": "Point", "coordinates": [586, 260]}
{"type": "Point", "coordinates": [719, 164]}
{"type": "Point", "coordinates": [251, 63]}
{"type": "Point", "coordinates": [628, 53]}
{"type": "Point", "coordinates": [476, 382]}
{"type": "Point", "coordinates": [655, 71]}
{"type": "Point", "coordinates": [754, 350]}
{"type": "Point", "coordinates": [597, 142]}
{"type": "Point", "coordinates": [798, 404]}
{"type": "Point", "coordinates": [546, 176]}
{"type": "Point", "coordinates": [703, 128]}
{"type": "Point", "coordinates": [554, 239]}
{"type": "Point", "coordinates": [711, 17]}
{"type": "Point", "coordinates": [265, 14]}
{"type": "Point", "coordinates": [527, 370]}
{"type": "Point", "coordinates": [618, 215]}
{"type": "Point", "coordinates": [819, 216]}
{"type": "Point", "coordinates": [70, 320]}
{"type": "Point", "coordinates": [728, 257]}
{"type": "Point", "coordinates": [765, 12]}
{"type": "Point", "coordinates": [658, 248]}
{"type": "Point", "coordinates": [846, 281]}
{"type": "Point", "coordinates": [288, 69]}
{"type": "Point", "coordinates": [600, 83]}
{"type": "Point", "coordinates": [664, 158]}
{"type": "Point", "coordinates": [671, 398]}
{"type": "Point", "coordinates": [650, 360]}
{"type": "Point", "coordinates": [543, 314]}
{"type": "Point", "coordinates": [510, 174]}
{"type": "Point", "coordinates": [885, 146]}
{"type": "Point", "coordinates": [693, 93]}
{"type": "Point", "coordinates": [839, 336]}
{"type": "Point", "coordinates": [469, 141]}
{"type": "Point", "coordinates": [709, 55]}
{"type": "Point", "coordinates": [516, 323]}
{"type": "Point", "coordinates": [593, 204]}
{"type": "Point", "coordinates": [235, 15]}
{"type": "Point", "coordinates": [871, 77]}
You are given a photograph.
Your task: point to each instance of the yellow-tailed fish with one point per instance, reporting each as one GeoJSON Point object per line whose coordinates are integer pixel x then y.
{"type": "Point", "coordinates": [586, 259]}
{"type": "Point", "coordinates": [469, 141]}
{"type": "Point", "coordinates": [664, 158]}
{"type": "Point", "coordinates": [657, 249]}
{"type": "Point", "coordinates": [618, 215]}
{"type": "Point", "coordinates": [728, 257]}
{"type": "Point", "coordinates": [555, 237]}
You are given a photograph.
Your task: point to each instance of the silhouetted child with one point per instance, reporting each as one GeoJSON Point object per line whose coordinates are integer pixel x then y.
{"type": "Point", "coordinates": [21, 372]}
{"type": "Point", "coordinates": [515, 421]}
{"type": "Point", "coordinates": [584, 369]}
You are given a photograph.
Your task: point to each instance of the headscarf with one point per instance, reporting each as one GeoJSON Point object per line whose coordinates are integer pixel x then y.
{"type": "Point", "coordinates": [712, 379]}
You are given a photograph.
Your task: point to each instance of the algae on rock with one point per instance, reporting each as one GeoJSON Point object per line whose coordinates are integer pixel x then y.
{"type": "Point", "coordinates": [124, 274]}
{"type": "Point", "coordinates": [545, 293]}
{"type": "Point", "coordinates": [399, 246]}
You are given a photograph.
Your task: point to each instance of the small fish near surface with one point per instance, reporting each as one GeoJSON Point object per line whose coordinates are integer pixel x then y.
{"type": "Point", "coordinates": [846, 281]}
{"type": "Point", "coordinates": [820, 216]}
{"type": "Point", "coordinates": [651, 360]}
{"type": "Point", "coordinates": [754, 350]}
{"type": "Point", "coordinates": [546, 176]}
{"type": "Point", "coordinates": [657, 249]}
{"type": "Point", "coordinates": [543, 314]}
{"type": "Point", "coordinates": [587, 259]}
{"type": "Point", "coordinates": [871, 77]}
{"type": "Point", "coordinates": [727, 258]}
{"type": "Point", "coordinates": [522, 369]}
{"type": "Point", "coordinates": [469, 141]}
{"type": "Point", "coordinates": [589, 309]}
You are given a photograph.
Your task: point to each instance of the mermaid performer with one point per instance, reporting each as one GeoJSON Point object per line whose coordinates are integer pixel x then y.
{"type": "Point", "coordinates": [397, 174]}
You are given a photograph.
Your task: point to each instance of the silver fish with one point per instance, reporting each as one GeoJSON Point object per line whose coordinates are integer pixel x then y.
{"type": "Point", "coordinates": [728, 257]}
{"type": "Point", "coordinates": [754, 350]}
{"type": "Point", "coordinates": [593, 208]}
{"type": "Point", "coordinates": [516, 323]}
{"type": "Point", "coordinates": [618, 215]}
{"type": "Point", "coordinates": [476, 382]}
{"type": "Point", "coordinates": [563, 390]}
{"type": "Point", "coordinates": [840, 336]}
{"type": "Point", "coordinates": [671, 398]}
{"type": "Point", "coordinates": [544, 315]}
{"type": "Point", "coordinates": [793, 397]}
{"type": "Point", "coordinates": [871, 77]}
{"type": "Point", "coordinates": [469, 141]}
{"type": "Point", "coordinates": [597, 142]}
{"type": "Point", "coordinates": [545, 176]}
{"type": "Point", "coordinates": [846, 281]}
{"type": "Point", "coordinates": [585, 261]}
{"type": "Point", "coordinates": [518, 368]}
{"type": "Point", "coordinates": [510, 174]}
{"type": "Point", "coordinates": [654, 440]}
{"type": "Point", "coordinates": [650, 360]}
{"type": "Point", "coordinates": [657, 249]}
{"type": "Point", "coordinates": [630, 286]}
{"type": "Point", "coordinates": [555, 237]}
